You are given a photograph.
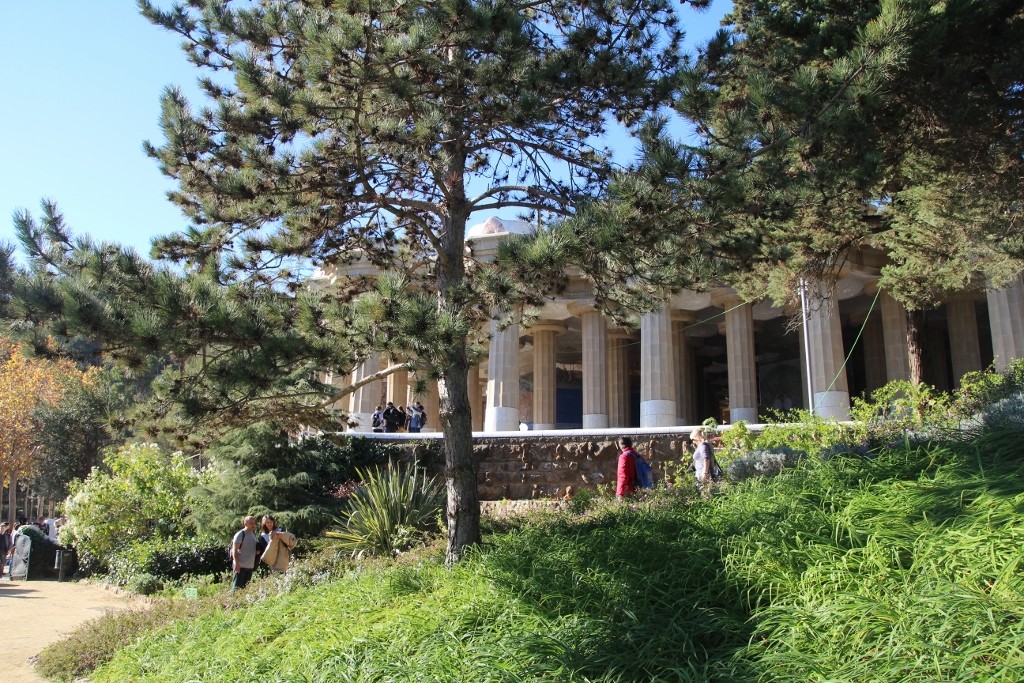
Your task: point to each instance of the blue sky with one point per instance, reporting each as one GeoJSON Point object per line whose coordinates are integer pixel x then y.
{"type": "Point", "coordinates": [81, 83]}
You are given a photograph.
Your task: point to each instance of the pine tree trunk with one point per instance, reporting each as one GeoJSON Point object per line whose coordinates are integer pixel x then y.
{"type": "Point", "coordinates": [461, 468]}
{"type": "Point", "coordinates": [463, 509]}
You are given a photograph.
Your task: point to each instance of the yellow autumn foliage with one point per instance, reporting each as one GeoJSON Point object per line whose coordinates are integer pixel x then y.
{"type": "Point", "coordinates": [25, 384]}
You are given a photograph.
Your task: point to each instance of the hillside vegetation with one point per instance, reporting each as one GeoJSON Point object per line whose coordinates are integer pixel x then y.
{"type": "Point", "coordinates": [905, 565]}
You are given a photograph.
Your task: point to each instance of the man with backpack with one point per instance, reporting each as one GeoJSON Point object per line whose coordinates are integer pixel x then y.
{"type": "Point", "coordinates": [633, 472]}
{"type": "Point", "coordinates": [625, 479]}
{"type": "Point", "coordinates": [243, 553]}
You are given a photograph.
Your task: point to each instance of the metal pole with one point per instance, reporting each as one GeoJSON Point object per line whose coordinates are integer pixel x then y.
{"type": "Point", "coordinates": [807, 345]}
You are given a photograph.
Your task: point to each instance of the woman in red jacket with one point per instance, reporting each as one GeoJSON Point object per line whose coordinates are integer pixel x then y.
{"type": "Point", "coordinates": [625, 479]}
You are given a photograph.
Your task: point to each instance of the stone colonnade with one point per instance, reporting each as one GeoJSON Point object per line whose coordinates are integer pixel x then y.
{"type": "Point", "coordinates": [668, 378]}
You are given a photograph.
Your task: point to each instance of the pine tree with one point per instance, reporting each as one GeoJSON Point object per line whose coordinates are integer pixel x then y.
{"type": "Point", "coordinates": [373, 130]}
{"type": "Point", "coordinates": [823, 126]}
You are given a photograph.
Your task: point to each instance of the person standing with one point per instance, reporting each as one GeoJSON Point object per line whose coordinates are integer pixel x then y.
{"type": "Point", "coordinates": [243, 553]}
{"type": "Point", "coordinates": [415, 419]}
{"type": "Point", "coordinates": [377, 420]}
{"type": "Point", "coordinates": [625, 479]}
{"type": "Point", "coordinates": [703, 456]}
{"type": "Point", "coordinates": [391, 418]}
{"type": "Point", "coordinates": [5, 545]}
{"type": "Point", "coordinates": [279, 544]}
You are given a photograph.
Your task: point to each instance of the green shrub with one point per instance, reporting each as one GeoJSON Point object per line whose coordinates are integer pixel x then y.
{"type": "Point", "coordinates": [144, 584]}
{"type": "Point", "coordinates": [802, 431]}
{"type": "Point", "coordinates": [169, 559]}
{"type": "Point", "coordinates": [763, 463]}
{"type": "Point", "coordinates": [259, 470]}
{"type": "Point", "coordinates": [140, 497]}
{"type": "Point", "coordinates": [390, 511]}
{"type": "Point", "coordinates": [582, 501]}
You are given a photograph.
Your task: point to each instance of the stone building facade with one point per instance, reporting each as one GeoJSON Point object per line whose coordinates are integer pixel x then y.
{"type": "Point", "coordinates": [709, 354]}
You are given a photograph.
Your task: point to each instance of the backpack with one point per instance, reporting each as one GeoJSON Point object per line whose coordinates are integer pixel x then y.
{"type": "Point", "coordinates": [378, 421]}
{"type": "Point", "coordinates": [644, 473]}
{"type": "Point", "coordinates": [716, 470]}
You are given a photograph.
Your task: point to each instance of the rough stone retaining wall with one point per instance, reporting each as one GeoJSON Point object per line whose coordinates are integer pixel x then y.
{"type": "Point", "coordinates": [532, 465]}
{"type": "Point", "coordinates": [549, 465]}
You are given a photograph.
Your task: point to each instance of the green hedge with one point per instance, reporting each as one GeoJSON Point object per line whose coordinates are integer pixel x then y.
{"type": "Point", "coordinates": [169, 559]}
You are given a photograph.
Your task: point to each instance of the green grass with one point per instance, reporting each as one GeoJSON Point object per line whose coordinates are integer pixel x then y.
{"type": "Point", "coordinates": [904, 567]}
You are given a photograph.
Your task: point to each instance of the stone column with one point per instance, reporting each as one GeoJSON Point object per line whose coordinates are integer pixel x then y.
{"type": "Point", "coordinates": [366, 398]}
{"type": "Point", "coordinates": [596, 375]}
{"type": "Point", "coordinates": [804, 395]}
{"type": "Point", "coordinates": [657, 374]}
{"type": "Point", "coordinates": [894, 328]}
{"type": "Point", "coordinates": [398, 387]}
{"type": "Point", "coordinates": [619, 341]}
{"type": "Point", "coordinates": [962, 328]}
{"type": "Point", "coordinates": [828, 377]}
{"type": "Point", "coordinates": [739, 346]}
{"type": "Point", "coordinates": [476, 395]}
{"type": "Point", "coordinates": [1006, 318]}
{"type": "Point", "coordinates": [873, 341]}
{"type": "Point", "coordinates": [502, 414]}
{"type": "Point", "coordinates": [340, 381]}
{"type": "Point", "coordinates": [431, 400]}
{"type": "Point", "coordinates": [685, 413]}
{"type": "Point", "coordinates": [544, 373]}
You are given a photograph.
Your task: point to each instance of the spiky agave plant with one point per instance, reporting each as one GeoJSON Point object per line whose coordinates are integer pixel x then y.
{"type": "Point", "coordinates": [391, 509]}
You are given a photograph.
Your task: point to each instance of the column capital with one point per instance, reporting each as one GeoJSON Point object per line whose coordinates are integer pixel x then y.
{"type": "Point", "coordinates": [679, 316]}
{"type": "Point", "coordinates": [578, 307]}
{"type": "Point", "coordinates": [724, 297]}
{"type": "Point", "coordinates": [556, 326]}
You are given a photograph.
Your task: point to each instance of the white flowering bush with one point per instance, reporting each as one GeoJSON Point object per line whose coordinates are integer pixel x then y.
{"type": "Point", "coordinates": [138, 496]}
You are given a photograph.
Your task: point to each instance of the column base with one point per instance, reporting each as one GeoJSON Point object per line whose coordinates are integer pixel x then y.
{"type": "Point", "coordinates": [745, 414]}
{"type": "Point", "coordinates": [365, 421]}
{"type": "Point", "coordinates": [832, 404]}
{"type": "Point", "coordinates": [501, 419]}
{"type": "Point", "coordinates": [658, 414]}
{"type": "Point", "coordinates": [595, 421]}
{"type": "Point", "coordinates": [538, 426]}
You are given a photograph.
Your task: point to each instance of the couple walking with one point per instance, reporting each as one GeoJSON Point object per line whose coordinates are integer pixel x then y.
{"type": "Point", "coordinates": [272, 545]}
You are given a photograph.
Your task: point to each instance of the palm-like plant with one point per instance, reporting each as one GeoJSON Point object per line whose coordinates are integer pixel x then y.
{"type": "Point", "coordinates": [390, 510]}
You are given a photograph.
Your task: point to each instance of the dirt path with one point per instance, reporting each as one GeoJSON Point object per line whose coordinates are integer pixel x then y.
{"type": "Point", "coordinates": [37, 613]}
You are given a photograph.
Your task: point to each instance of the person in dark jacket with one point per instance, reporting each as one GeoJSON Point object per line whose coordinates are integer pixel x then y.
{"type": "Point", "coordinates": [392, 418]}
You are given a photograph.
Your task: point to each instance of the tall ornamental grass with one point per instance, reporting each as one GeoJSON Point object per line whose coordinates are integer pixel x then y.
{"type": "Point", "coordinates": [902, 566]}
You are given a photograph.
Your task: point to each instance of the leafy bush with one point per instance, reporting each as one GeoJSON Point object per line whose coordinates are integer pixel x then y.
{"type": "Point", "coordinates": [390, 510]}
{"type": "Point", "coordinates": [802, 431]}
{"type": "Point", "coordinates": [978, 390]}
{"type": "Point", "coordinates": [139, 497]}
{"type": "Point", "coordinates": [168, 559]}
{"type": "Point", "coordinates": [144, 584]}
{"type": "Point", "coordinates": [582, 501]}
{"type": "Point", "coordinates": [258, 471]}
{"type": "Point", "coordinates": [763, 463]}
